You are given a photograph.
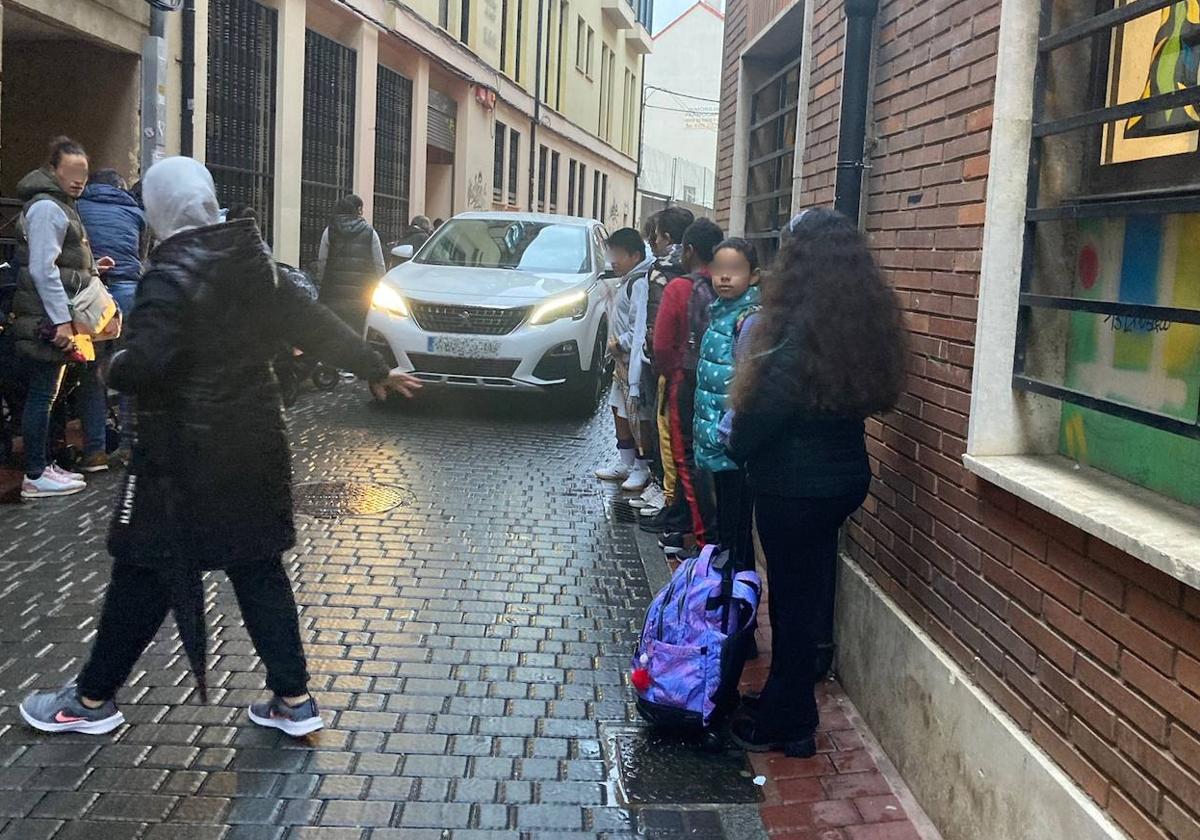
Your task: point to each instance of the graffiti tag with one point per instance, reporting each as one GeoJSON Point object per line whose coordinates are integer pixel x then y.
{"type": "Point", "coordinates": [1132, 324]}
{"type": "Point", "coordinates": [475, 197]}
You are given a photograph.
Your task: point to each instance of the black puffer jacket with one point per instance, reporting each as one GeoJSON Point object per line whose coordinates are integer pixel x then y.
{"type": "Point", "coordinates": [789, 452]}
{"type": "Point", "coordinates": [350, 269]}
{"type": "Point", "coordinates": [210, 483]}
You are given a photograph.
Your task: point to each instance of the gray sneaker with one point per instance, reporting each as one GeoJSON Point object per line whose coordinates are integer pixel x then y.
{"type": "Point", "coordinates": [62, 711]}
{"type": "Point", "coordinates": [296, 721]}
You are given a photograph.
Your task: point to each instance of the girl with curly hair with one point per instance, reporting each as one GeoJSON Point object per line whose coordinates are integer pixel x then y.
{"type": "Point", "coordinates": [826, 351]}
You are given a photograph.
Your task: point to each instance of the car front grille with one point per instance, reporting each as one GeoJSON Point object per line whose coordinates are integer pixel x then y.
{"type": "Point", "coordinates": [455, 366]}
{"type": "Point", "coordinates": [471, 320]}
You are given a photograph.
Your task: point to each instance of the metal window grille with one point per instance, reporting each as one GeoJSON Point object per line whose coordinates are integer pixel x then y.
{"type": "Point", "coordinates": [514, 163]}
{"type": "Point", "coordinates": [1100, 29]}
{"type": "Point", "coordinates": [555, 160]}
{"type": "Point", "coordinates": [240, 133]}
{"type": "Point", "coordinates": [542, 156]}
{"type": "Point", "coordinates": [603, 197]}
{"type": "Point", "coordinates": [498, 161]}
{"type": "Point", "coordinates": [327, 159]}
{"type": "Point", "coordinates": [579, 207]}
{"type": "Point", "coordinates": [393, 153]}
{"type": "Point", "coordinates": [571, 167]}
{"type": "Point", "coordinates": [596, 197]}
{"type": "Point", "coordinates": [772, 150]}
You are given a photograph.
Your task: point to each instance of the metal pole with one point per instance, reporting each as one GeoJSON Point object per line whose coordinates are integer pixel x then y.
{"type": "Point", "coordinates": [187, 104]}
{"type": "Point", "coordinates": [537, 108]}
{"type": "Point", "coordinates": [856, 74]}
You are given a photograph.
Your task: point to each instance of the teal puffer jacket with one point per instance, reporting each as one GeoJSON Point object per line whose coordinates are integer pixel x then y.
{"type": "Point", "coordinates": [714, 373]}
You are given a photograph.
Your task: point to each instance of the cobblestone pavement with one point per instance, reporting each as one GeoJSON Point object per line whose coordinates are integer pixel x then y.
{"type": "Point", "coordinates": [466, 646]}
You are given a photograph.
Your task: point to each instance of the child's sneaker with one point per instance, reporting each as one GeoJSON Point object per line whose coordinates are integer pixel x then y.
{"type": "Point", "coordinates": [66, 475]}
{"type": "Point", "coordinates": [617, 472]}
{"type": "Point", "coordinates": [637, 480]}
{"type": "Point", "coordinates": [49, 484]}
{"type": "Point", "coordinates": [296, 721]}
{"type": "Point", "coordinates": [672, 544]}
{"type": "Point", "coordinates": [63, 711]}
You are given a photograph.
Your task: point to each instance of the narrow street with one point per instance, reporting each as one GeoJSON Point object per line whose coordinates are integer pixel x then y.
{"type": "Point", "coordinates": [465, 644]}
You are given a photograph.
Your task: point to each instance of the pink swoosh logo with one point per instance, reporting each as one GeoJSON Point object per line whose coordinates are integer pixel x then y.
{"type": "Point", "coordinates": [63, 717]}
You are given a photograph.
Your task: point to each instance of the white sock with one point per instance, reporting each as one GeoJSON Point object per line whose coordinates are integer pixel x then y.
{"type": "Point", "coordinates": [642, 465]}
{"type": "Point", "coordinates": [627, 456]}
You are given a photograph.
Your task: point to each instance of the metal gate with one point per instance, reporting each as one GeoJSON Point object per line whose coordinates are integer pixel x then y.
{"type": "Point", "coordinates": [327, 162]}
{"type": "Point", "coordinates": [393, 153]}
{"type": "Point", "coordinates": [240, 132]}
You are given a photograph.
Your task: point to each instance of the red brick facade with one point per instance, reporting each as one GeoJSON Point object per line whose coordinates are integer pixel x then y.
{"type": "Point", "coordinates": [1092, 652]}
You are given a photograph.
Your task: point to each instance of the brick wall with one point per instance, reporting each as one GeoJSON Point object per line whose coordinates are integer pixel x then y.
{"type": "Point", "coordinates": [1092, 652]}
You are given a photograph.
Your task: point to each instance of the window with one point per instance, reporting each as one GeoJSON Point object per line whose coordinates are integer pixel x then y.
{"type": "Point", "coordinates": [627, 114]}
{"type": "Point", "coordinates": [564, 14]}
{"type": "Point", "coordinates": [591, 43]}
{"type": "Point", "coordinates": [444, 14]}
{"type": "Point", "coordinates": [582, 186]}
{"type": "Point", "coordinates": [689, 195]}
{"type": "Point", "coordinates": [504, 36]}
{"type": "Point", "coordinates": [502, 243]}
{"type": "Point", "coordinates": [393, 153]}
{"type": "Point", "coordinates": [543, 153]}
{"type": "Point", "coordinates": [611, 86]}
{"type": "Point", "coordinates": [603, 90]}
{"type": "Point", "coordinates": [596, 197]}
{"type": "Point", "coordinates": [549, 52]}
{"type": "Point", "coordinates": [603, 197]}
{"type": "Point", "coordinates": [464, 22]}
{"type": "Point", "coordinates": [571, 188]}
{"type": "Point", "coordinates": [581, 45]}
{"type": "Point", "coordinates": [771, 155]}
{"type": "Point", "coordinates": [1109, 306]}
{"type": "Point", "coordinates": [514, 159]}
{"type": "Point", "coordinates": [498, 161]}
{"type": "Point", "coordinates": [554, 166]}
{"type": "Point", "coordinates": [519, 37]}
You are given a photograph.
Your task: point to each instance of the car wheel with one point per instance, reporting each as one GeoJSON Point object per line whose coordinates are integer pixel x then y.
{"type": "Point", "coordinates": [583, 392]}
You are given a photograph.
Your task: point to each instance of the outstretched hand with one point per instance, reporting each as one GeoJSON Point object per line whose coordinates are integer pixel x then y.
{"type": "Point", "coordinates": [397, 383]}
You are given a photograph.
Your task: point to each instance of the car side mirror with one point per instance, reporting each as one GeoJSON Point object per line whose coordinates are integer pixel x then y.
{"type": "Point", "coordinates": [404, 252]}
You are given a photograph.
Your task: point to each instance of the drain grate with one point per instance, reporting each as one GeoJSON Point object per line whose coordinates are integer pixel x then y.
{"type": "Point", "coordinates": [334, 499]}
{"type": "Point", "coordinates": [657, 768]}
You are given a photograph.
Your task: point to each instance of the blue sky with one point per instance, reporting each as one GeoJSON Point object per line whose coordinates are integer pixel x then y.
{"type": "Point", "coordinates": [666, 11]}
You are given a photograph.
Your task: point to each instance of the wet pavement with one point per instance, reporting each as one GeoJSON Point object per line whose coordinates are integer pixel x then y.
{"type": "Point", "coordinates": [469, 599]}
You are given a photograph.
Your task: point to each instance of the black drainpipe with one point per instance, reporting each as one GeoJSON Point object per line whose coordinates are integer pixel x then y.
{"type": "Point", "coordinates": [856, 77]}
{"type": "Point", "coordinates": [187, 105]}
{"type": "Point", "coordinates": [537, 108]}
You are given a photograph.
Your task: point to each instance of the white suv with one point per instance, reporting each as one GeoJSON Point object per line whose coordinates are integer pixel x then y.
{"type": "Point", "coordinates": [501, 301]}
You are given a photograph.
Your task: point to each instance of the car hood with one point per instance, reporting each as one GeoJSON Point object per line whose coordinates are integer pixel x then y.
{"type": "Point", "coordinates": [479, 286]}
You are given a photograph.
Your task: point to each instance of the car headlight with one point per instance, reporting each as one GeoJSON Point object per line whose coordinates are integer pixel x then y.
{"type": "Point", "coordinates": [573, 305]}
{"type": "Point", "coordinates": [387, 299]}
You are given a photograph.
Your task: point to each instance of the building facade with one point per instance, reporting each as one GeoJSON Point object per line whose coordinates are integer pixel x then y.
{"type": "Point", "coordinates": [429, 107]}
{"type": "Point", "coordinates": [1019, 617]}
{"type": "Point", "coordinates": [683, 83]}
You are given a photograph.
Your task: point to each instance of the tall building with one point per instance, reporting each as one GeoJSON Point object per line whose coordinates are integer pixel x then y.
{"type": "Point", "coordinates": [1019, 614]}
{"type": "Point", "coordinates": [683, 83]}
{"type": "Point", "coordinates": [427, 107]}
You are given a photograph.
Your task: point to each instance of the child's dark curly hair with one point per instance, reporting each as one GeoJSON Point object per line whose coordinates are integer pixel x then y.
{"type": "Point", "coordinates": [825, 297]}
{"type": "Point", "coordinates": [743, 247]}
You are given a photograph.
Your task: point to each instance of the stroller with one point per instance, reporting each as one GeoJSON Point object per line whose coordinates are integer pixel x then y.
{"type": "Point", "coordinates": [293, 368]}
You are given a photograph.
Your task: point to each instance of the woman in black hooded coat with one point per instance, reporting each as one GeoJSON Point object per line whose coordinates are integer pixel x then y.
{"type": "Point", "coordinates": [210, 482]}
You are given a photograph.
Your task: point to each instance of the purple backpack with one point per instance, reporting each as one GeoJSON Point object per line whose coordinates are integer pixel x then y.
{"type": "Point", "coordinates": [688, 662]}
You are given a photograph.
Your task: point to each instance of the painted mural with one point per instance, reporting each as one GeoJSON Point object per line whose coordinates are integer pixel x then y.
{"type": "Point", "coordinates": [1174, 65]}
{"type": "Point", "coordinates": [1146, 363]}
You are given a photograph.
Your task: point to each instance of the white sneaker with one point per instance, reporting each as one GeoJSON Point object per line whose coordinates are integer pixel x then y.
{"type": "Point", "coordinates": [48, 484]}
{"type": "Point", "coordinates": [617, 472]}
{"type": "Point", "coordinates": [649, 512]}
{"type": "Point", "coordinates": [653, 496]}
{"type": "Point", "coordinates": [638, 478]}
{"type": "Point", "coordinates": [65, 475]}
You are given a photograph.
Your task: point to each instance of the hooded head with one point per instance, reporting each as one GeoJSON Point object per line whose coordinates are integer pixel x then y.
{"type": "Point", "coordinates": [179, 195]}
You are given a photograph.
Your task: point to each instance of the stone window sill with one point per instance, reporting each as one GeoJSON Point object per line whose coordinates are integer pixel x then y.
{"type": "Point", "coordinates": [1159, 531]}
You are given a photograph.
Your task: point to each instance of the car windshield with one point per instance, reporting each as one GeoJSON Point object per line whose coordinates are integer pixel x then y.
{"type": "Point", "coordinates": [505, 243]}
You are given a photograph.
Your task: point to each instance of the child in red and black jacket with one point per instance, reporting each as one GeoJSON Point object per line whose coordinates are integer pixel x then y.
{"type": "Point", "coordinates": [676, 362]}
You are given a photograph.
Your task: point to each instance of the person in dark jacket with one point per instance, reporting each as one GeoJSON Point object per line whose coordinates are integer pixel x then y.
{"type": "Point", "coordinates": [827, 350]}
{"type": "Point", "coordinates": [56, 263]}
{"type": "Point", "coordinates": [116, 228]}
{"type": "Point", "coordinates": [350, 263]}
{"type": "Point", "coordinates": [210, 482]}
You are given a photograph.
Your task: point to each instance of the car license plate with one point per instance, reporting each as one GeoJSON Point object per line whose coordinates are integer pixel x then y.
{"type": "Point", "coordinates": [465, 348]}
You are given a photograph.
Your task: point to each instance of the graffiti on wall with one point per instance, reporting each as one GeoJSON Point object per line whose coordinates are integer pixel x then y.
{"type": "Point", "coordinates": [1141, 362]}
{"type": "Point", "coordinates": [475, 193]}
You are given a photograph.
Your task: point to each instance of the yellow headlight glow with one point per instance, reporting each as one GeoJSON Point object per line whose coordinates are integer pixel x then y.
{"type": "Point", "coordinates": [389, 301]}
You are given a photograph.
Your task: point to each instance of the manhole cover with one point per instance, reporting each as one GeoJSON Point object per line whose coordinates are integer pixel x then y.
{"type": "Point", "coordinates": [333, 499]}
{"type": "Point", "coordinates": [656, 768]}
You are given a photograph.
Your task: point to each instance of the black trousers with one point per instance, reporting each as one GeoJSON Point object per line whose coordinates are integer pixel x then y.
{"type": "Point", "coordinates": [735, 517]}
{"type": "Point", "coordinates": [800, 541]}
{"type": "Point", "coordinates": [137, 603]}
